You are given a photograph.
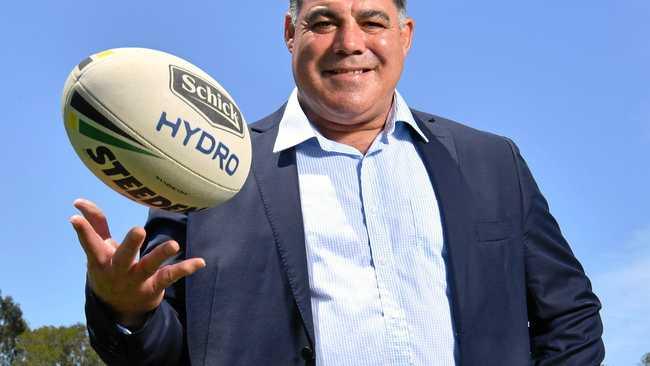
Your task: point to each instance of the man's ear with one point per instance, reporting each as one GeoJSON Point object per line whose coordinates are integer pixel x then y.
{"type": "Point", "coordinates": [406, 34]}
{"type": "Point", "coordinates": [289, 32]}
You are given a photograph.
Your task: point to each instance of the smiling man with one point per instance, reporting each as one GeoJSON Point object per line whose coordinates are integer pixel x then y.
{"type": "Point", "coordinates": [347, 59]}
{"type": "Point", "coordinates": [367, 234]}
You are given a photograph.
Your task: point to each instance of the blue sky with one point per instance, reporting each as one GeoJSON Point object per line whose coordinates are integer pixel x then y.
{"type": "Point", "coordinates": [568, 81]}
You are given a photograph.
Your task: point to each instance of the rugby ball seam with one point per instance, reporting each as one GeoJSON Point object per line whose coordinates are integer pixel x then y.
{"type": "Point", "coordinates": [95, 61]}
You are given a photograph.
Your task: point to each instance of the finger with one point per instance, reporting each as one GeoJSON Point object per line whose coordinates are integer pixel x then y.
{"type": "Point", "coordinates": [127, 253]}
{"type": "Point", "coordinates": [112, 243]}
{"type": "Point", "coordinates": [96, 250]}
{"type": "Point", "coordinates": [95, 217]}
{"type": "Point", "coordinates": [149, 264]}
{"type": "Point", "coordinates": [167, 275]}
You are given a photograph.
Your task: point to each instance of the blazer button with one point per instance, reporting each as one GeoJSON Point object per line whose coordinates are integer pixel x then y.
{"type": "Point", "coordinates": [307, 353]}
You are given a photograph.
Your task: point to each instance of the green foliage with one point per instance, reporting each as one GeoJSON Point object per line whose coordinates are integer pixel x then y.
{"type": "Point", "coordinates": [11, 326]}
{"type": "Point", "coordinates": [61, 346]}
{"type": "Point", "coordinates": [645, 360]}
{"type": "Point", "coordinates": [45, 346]}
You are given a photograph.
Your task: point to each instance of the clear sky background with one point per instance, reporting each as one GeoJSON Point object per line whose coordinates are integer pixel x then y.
{"type": "Point", "coordinates": [569, 81]}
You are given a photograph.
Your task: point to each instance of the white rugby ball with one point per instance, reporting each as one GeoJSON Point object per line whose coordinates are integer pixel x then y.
{"type": "Point", "coordinates": [156, 129]}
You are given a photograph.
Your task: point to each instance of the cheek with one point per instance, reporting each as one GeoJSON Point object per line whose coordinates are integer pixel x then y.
{"type": "Point", "coordinates": [387, 49]}
{"type": "Point", "coordinates": [302, 62]}
{"type": "Point", "coordinates": [313, 47]}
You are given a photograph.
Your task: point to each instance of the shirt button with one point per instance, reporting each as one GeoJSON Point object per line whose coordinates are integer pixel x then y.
{"type": "Point", "coordinates": [307, 353]}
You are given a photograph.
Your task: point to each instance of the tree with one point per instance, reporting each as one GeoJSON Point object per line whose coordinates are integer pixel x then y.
{"type": "Point", "coordinates": [11, 326]}
{"type": "Point", "coordinates": [61, 346]}
{"type": "Point", "coordinates": [645, 360]}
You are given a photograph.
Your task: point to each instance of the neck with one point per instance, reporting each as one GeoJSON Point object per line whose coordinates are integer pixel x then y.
{"type": "Point", "coordinates": [360, 138]}
{"type": "Point", "coordinates": [360, 135]}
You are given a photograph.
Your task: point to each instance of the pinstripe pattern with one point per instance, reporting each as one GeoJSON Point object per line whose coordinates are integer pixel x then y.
{"type": "Point", "coordinates": [374, 243]}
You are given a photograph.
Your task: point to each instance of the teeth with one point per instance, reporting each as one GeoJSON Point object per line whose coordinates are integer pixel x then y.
{"type": "Point", "coordinates": [353, 72]}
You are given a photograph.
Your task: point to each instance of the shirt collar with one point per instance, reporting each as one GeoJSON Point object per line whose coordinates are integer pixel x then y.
{"type": "Point", "coordinates": [295, 127]}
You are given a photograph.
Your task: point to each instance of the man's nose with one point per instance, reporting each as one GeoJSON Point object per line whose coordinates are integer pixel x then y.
{"type": "Point", "coordinates": [350, 40]}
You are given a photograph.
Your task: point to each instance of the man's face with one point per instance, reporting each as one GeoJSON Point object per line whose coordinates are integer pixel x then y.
{"type": "Point", "coordinates": [347, 57]}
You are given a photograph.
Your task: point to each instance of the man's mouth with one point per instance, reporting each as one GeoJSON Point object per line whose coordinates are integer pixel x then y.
{"type": "Point", "coordinates": [356, 71]}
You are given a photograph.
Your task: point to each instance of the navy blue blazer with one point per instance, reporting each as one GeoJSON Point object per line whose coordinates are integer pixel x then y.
{"type": "Point", "coordinates": [519, 296]}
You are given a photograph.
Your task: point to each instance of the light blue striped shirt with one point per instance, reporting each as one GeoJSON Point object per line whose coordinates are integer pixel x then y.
{"type": "Point", "coordinates": [375, 250]}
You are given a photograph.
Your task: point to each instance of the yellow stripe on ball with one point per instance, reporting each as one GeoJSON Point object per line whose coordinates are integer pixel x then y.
{"type": "Point", "coordinates": [72, 121]}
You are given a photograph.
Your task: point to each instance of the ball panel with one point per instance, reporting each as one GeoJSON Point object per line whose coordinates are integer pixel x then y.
{"type": "Point", "coordinates": [126, 165]}
{"type": "Point", "coordinates": [135, 86]}
{"type": "Point", "coordinates": [149, 142]}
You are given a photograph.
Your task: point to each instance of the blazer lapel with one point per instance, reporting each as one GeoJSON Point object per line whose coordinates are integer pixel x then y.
{"type": "Point", "coordinates": [454, 198]}
{"type": "Point", "coordinates": [277, 179]}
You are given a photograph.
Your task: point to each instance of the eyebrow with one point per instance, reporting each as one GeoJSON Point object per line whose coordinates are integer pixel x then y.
{"type": "Point", "coordinates": [363, 14]}
{"type": "Point", "coordinates": [366, 14]}
{"type": "Point", "coordinates": [322, 12]}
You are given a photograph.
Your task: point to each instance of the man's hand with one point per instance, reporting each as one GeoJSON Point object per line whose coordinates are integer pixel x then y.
{"type": "Point", "coordinates": [131, 287]}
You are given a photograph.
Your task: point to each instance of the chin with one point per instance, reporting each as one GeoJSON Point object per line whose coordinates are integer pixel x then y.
{"type": "Point", "coordinates": [349, 108]}
{"type": "Point", "coordinates": [344, 106]}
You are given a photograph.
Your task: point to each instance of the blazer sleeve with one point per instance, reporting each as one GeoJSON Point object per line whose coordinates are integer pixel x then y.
{"type": "Point", "coordinates": [161, 340]}
{"type": "Point", "coordinates": [565, 326]}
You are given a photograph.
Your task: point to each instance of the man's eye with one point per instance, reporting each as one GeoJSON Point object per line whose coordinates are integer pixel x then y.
{"type": "Point", "coordinates": [373, 25]}
{"type": "Point", "coordinates": [322, 25]}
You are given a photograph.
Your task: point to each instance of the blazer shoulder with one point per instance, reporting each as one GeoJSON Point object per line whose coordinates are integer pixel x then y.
{"type": "Point", "coordinates": [445, 126]}
{"type": "Point", "coordinates": [464, 136]}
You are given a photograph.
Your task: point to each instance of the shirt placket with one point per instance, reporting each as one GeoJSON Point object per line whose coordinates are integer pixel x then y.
{"type": "Point", "coordinates": [397, 335]}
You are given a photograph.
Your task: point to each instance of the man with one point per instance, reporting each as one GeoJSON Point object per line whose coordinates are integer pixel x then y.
{"type": "Point", "coordinates": [366, 234]}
